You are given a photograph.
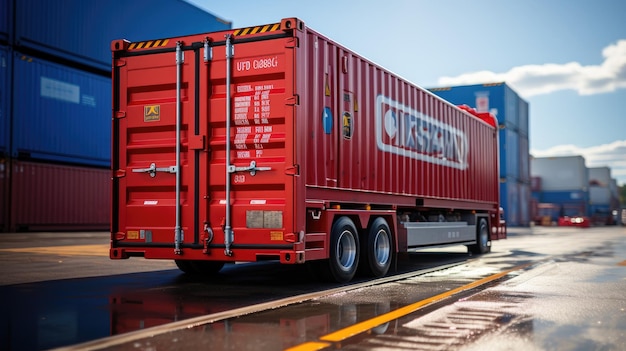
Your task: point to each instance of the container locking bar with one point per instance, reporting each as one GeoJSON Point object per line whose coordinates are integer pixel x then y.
{"type": "Point", "coordinates": [229, 235]}
{"type": "Point", "coordinates": [178, 232]}
{"type": "Point", "coordinates": [153, 169]}
{"type": "Point", "coordinates": [252, 168]}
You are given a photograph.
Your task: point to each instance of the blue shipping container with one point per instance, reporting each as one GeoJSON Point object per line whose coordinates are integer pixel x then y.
{"type": "Point", "coordinates": [524, 204]}
{"type": "Point", "coordinates": [573, 203]}
{"type": "Point", "coordinates": [523, 122]}
{"type": "Point", "coordinates": [6, 21]}
{"type": "Point", "coordinates": [505, 103]}
{"type": "Point", "coordinates": [82, 30]}
{"type": "Point", "coordinates": [60, 113]}
{"type": "Point", "coordinates": [5, 100]}
{"type": "Point", "coordinates": [509, 200]}
{"type": "Point", "coordinates": [524, 159]}
{"type": "Point", "coordinates": [497, 98]}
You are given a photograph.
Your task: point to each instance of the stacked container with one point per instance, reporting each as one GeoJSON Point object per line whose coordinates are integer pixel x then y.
{"type": "Point", "coordinates": [55, 103]}
{"type": "Point", "coordinates": [601, 197]}
{"type": "Point", "coordinates": [512, 114]}
{"type": "Point", "coordinates": [562, 183]}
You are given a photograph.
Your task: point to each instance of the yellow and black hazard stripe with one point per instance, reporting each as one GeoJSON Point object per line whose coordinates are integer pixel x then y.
{"type": "Point", "coordinates": [148, 44]}
{"type": "Point", "coordinates": [258, 29]}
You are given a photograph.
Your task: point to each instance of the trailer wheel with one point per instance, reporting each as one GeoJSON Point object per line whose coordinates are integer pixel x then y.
{"type": "Point", "coordinates": [184, 266]}
{"type": "Point", "coordinates": [206, 268]}
{"type": "Point", "coordinates": [482, 237]}
{"type": "Point", "coordinates": [377, 248]}
{"type": "Point", "coordinates": [344, 250]}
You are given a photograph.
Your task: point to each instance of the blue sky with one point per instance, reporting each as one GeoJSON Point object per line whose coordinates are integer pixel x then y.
{"type": "Point", "coordinates": [567, 58]}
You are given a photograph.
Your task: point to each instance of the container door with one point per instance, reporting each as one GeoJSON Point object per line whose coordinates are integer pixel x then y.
{"type": "Point", "coordinates": [251, 185]}
{"type": "Point", "coordinates": [151, 93]}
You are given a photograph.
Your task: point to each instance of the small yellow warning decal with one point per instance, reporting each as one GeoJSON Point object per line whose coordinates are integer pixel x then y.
{"type": "Point", "coordinates": [356, 106]}
{"type": "Point", "coordinates": [151, 113]}
{"type": "Point", "coordinates": [276, 236]}
{"type": "Point", "coordinates": [327, 87]}
{"type": "Point", "coordinates": [132, 234]}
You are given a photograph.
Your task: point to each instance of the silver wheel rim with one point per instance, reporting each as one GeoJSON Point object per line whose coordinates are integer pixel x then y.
{"type": "Point", "coordinates": [484, 237]}
{"type": "Point", "coordinates": [346, 250]}
{"type": "Point", "coordinates": [381, 247]}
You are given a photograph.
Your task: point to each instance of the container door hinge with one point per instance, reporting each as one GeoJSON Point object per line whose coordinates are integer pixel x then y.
{"type": "Point", "coordinates": [120, 173]}
{"type": "Point", "coordinates": [293, 171]}
{"type": "Point", "coordinates": [292, 43]}
{"type": "Point", "coordinates": [120, 114]}
{"type": "Point", "coordinates": [294, 100]}
{"type": "Point", "coordinates": [120, 63]}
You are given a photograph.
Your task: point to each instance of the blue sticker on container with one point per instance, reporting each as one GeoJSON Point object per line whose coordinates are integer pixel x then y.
{"type": "Point", "coordinates": [327, 120]}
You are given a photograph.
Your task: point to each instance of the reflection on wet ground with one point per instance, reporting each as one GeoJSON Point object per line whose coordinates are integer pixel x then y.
{"type": "Point", "coordinates": [49, 314]}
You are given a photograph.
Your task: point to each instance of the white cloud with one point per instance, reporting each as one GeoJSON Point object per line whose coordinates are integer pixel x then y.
{"type": "Point", "coordinates": [612, 155]}
{"type": "Point", "coordinates": [532, 80]}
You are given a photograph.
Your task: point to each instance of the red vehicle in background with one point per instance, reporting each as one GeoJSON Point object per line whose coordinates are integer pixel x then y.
{"type": "Point", "coordinates": [275, 143]}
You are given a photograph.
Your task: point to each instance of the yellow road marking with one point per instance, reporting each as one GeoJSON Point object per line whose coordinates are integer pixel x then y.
{"type": "Point", "coordinates": [70, 250]}
{"type": "Point", "coordinates": [310, 346]}
{"type": "Point", "coordinates": [369, 324]}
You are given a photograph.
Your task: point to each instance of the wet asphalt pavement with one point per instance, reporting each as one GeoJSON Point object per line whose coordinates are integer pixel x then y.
{"type": "Point", "coordinates": [572, 297]}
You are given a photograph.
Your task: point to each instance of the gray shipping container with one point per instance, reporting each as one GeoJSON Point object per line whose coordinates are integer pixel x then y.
{"type": "Point", "coordinates": [565, 173]}
{"type": "Point", "coordinates": [600, 176]}
{"type": "Point", "coordinates": [599, 195]}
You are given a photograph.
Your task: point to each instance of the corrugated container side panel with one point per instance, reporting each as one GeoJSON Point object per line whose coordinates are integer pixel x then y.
{"type": "Point", "coordinates": [524, 159]}
{"type": "Point", "coordinates": [524, 121]}
{"type": "Point", "coordinates": [599, 195]}
{"type": "Point", "coordinates": [512, 154]}
{"type": "Point", "coordinates": [60, 113]}
{"type": "Point", "coordinates": [6, 21]}
{"type": "Point", "coordinates": [513, 202]}
{"type": "Point", "coordinates": [504, 155]}
{"type": "Point", "coordinates": [5, 99]}
{"type": "Point", "coordinates": [375, 154]}
{"type": "Point", "coordinates": [511, 106]}
{"type": "Point", "coordinates": [504, 196]}
{"type": "Point", "coordinates": [524, 204]}
{"type": "Point", "coordinates": [68, 29]}
{"type": "Point", "coordinates": [560, 173]}
{"type": "Point", "coordinates": [59, 197]}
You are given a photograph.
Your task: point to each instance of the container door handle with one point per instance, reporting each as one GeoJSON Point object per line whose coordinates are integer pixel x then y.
{"type": "Point", "coordinates": [153, 169]}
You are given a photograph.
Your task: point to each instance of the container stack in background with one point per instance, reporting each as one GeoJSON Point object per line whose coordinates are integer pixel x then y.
{"type": "Point", "coordinates": [560, 188]}
{"type": "Point", "coordinates": [512, 114]}
{"type": "Point", "coordinates": [603, 196]}
{"type": "Point", "coordinates": [565, 187]}
{"type": "Point", "coordinates": [55, 103]}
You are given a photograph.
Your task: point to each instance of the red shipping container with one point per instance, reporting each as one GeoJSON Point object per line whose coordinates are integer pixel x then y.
{"type": "Point", "coordinates": [314, 132]}
{"type": "Point", "coordinates": [59, 197]}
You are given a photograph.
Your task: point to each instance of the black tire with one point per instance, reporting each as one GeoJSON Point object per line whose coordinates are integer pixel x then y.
{"type": "Point", "coordinates": [377, 249]}
{"type": "Point", "coordinates": [205, 268]}
{"type": "Point", "coordinates": [483, 244]}
{"type": "Point", "coordinates": [344, 250]}
{"type": "Point", "coordinates": [185, 266]}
